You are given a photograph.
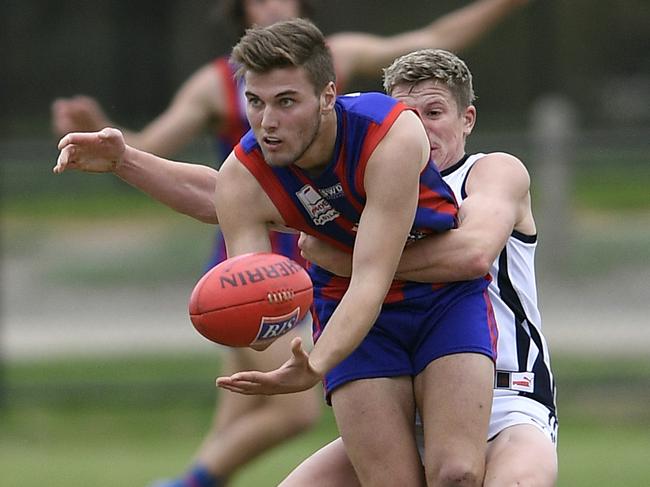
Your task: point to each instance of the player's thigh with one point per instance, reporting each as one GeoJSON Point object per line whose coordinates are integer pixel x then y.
{"type": "Point", "coordinates": [375, 418]}
{"type": "Point", "coordinates": [328, 467]}
{"type": "Point", "coordinates": [521, 455]}
{"type": "Point", "coordinates": [454, 396]}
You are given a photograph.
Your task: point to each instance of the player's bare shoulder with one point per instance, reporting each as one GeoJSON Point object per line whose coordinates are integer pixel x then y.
{"type": "Point", "coordinates": [238, 190]}
{"type": "Point", "coordinates": [501, 170]}
{"type": "Point", "coordinates": [405, 140]}
{"type": "Point", "coordinates": [205, 90]}
{"type": "Point", "coordinates": [503, 176]}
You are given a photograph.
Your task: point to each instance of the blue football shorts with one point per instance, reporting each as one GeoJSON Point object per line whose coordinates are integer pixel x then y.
{"type": "Point", "coordinates": [410, 334]}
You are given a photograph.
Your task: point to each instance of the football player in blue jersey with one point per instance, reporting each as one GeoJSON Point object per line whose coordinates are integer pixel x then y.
{"type": "Point", "coordinates": [382, 345]}
{"type": "Point", "coordinates": [212, 99]}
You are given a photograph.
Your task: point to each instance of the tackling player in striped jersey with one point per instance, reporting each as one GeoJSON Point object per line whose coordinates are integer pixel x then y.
{"type": "Point", "coordinates": [497, 233]}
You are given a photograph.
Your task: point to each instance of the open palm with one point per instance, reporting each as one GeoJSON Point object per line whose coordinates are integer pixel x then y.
{"type": "Point", "coordinates": [294, 375]}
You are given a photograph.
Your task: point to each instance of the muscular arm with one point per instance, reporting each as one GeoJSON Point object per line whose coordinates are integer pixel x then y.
{"type": "Point", "coordinates": [366, 54]}
{"type": "Point", "coordinates": [392, 194]}
{"type": "Point", "coordinates": [199, 103]}
{"type": "Point", "coordinates": [245, 211]}
{"type": "Point", "coordinates": [186, 188]}
{"type": "Point", "coordinates": [497, 202]}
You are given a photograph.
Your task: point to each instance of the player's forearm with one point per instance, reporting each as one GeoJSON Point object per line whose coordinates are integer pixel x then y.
{"type": "Point", "coordinates": [461, 28]}
{"type": "Point", "coordinates": [186, 188]}
{"type": "Point", "coordinates": [456, 255]}
{"type": "Point", "coordinates": [346, 329]}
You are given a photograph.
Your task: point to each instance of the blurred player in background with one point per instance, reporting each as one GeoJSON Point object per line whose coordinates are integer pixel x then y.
{"type": "Point", "coordinates": [497, 233]}
{"type": "Point", "coordinates": [212, 99]}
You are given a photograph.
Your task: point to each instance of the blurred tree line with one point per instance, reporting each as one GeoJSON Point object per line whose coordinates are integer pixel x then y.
{"type": "Point", "coordinates": [133, 55]}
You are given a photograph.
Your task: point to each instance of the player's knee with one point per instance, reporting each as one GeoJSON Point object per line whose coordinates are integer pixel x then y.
{"type": "Point", "coordinates": [390, 476]}
{"type": "Point", "coordinates": [456, 472]}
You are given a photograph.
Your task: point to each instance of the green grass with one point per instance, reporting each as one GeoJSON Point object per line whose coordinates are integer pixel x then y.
{"type": "Point", "coordinates": [603, 455]}
{"type": "Point", "coordinates": [124, 421]}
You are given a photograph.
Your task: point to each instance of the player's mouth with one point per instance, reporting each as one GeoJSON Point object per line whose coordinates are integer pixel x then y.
{"type": "Point", "coordinates": [271, 142]}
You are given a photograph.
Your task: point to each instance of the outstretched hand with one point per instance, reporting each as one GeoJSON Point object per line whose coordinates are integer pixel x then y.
{"type": "Point", "coordinates": [295, 375]}
{"type": "Point", "coordinates": [91, 152]}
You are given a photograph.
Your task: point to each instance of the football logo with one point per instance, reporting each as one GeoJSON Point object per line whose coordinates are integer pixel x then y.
{"type": "Point", "coordinates": [271, 328]}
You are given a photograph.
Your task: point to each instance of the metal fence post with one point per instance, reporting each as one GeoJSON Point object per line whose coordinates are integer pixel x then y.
{"type": "Point", "coordinates": [553, 133]}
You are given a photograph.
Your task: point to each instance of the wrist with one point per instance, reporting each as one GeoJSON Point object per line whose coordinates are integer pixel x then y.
{"type": "Point", "coordinates": [318, 367]}
{"type": "Point", "coordinates": [127, 159]}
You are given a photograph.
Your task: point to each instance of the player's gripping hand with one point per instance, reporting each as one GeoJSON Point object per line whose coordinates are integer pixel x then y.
{"type": "Point", "coordinates": [295, 375]}
{"type": "Point", "coordinates": [91, 152]}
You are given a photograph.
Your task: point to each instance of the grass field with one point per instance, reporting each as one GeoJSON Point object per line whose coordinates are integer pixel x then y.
{"type": "Point", "coordinates": [125, 421]}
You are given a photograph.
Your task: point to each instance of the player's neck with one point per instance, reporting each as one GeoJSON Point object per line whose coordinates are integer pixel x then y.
{"type": "Point", "coordinates": [451, 160]}
{"type": "Point", "coordinates": [319, 154]}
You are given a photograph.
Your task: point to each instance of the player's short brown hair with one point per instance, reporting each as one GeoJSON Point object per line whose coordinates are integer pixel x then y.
{"type": "Point", "coordinates": [292, 43]}
{"type": "Point", "coordinates": [233, 11]}
{"type": "Point", "coordinates": [432, 64]}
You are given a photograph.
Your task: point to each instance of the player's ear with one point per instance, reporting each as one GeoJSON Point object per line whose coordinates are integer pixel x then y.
{"type": "Point", "coordinates": [469, 120]}
{"type": "Point", "coordinates": [328, 97]}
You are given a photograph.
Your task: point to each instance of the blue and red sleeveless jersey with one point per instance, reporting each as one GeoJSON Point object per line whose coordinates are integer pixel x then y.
{"type": "Point", "coordinates": [329, 206]}
{"type": "Point", "coordinates": [234, 127]}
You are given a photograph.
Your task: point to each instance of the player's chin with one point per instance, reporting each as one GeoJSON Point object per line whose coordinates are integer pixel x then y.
{"type": "Point", "coordinates": [278, 158]}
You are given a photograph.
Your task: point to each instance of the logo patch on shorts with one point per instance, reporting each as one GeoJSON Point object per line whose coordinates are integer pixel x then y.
{"type": "Point", "coordinates": [522, 381]}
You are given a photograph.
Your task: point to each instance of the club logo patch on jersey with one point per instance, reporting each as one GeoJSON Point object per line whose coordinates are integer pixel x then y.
{"type": "Point", "coordinates": [320, 211]}
{"type": "Point", "coordinates": [333, 192]}
{"type": "Point", "coordinates": [271, 328]}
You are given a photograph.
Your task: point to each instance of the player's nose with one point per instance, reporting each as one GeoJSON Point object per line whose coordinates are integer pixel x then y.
{"type": "Point", "coordinates": [269, 120]}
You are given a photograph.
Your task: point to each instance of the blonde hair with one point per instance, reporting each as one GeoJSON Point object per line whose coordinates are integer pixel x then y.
{"type": "Point", "coordinates": [432, 64]}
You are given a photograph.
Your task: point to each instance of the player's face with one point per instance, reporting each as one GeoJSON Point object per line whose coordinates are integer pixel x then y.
{"type": "Point", "coordinates": [446, 127]}
{"type": "Point", "coordinates": [284, 113]}
{"type": "Point", "coordinates": [266, 12]}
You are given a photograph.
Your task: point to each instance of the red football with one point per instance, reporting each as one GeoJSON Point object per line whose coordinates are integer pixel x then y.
{"type": "Point", "coordinates": [251, 298]}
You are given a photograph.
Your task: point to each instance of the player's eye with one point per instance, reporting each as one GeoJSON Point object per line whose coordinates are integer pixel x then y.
{"type": "Point", "coordinates": [254, 102]}
{"type": "Point", "coordinates": [286, 102]}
